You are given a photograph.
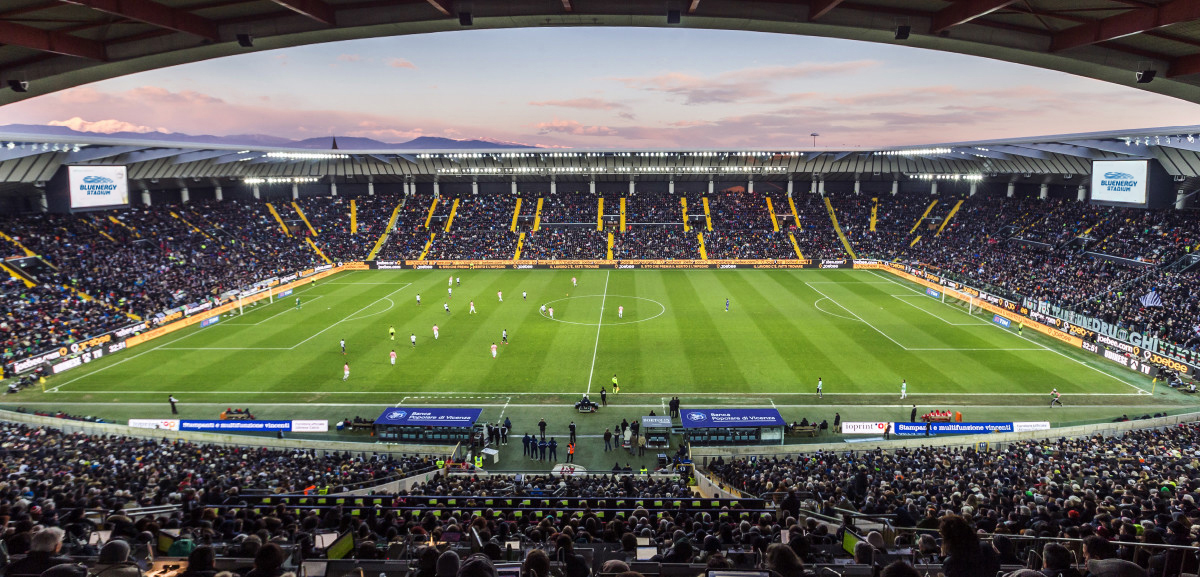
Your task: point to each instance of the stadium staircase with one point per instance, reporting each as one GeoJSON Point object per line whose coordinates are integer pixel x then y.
{"type": "Point", "coordinates": [945, 221]}
{"type": "Point", "coordinates": [190, 225]}
{"type": "Point", "coordinates": [600, 213]}
{"type": "Point", "coordinates": [774, 220]}
{"type": "Point", "coordinates": [387, 231]}
{"type": "Point", "coordinates": [89, 298]}
{"type": "Point", "coordinates": [429, 217]}
{"type": "Point", "coordinates": [18, 244]}
{"type": "Point", "coordinates": [353, 217]}
{"type": "Point", "coordinates": [838, 228]}
{"type": "Point", "coordinates": [99, 230]}
{"type": "Point", "coordinates": [924, 215]}
{"type": "Point", "coordinates": [296, 207]}
{"type": "Point", "coordinates": [520, 242]}
{"type": "Point", "coordinates": [317, 250]}
{"type": "Point", "coordinates": [429, 244]}
{"type": "Point", "coordinates": [278, 219]}
{"type": "Point", "coordinates": [516, 216]}
{"type": "Point", "coordinates": [118, 222]}
{"type": "Point", "coordinates": [537, 216]}
{"type": "Point", "coordinates": [686, 228]}
{"type": "Point", "coordinates": [453, 211]}
{"type": "Point", "coordinates": [707, 215]}
{"type": "Point", "coordinates": [874, 212]}
{"type": "Point", "coordinates": [29, 282]}
{"type": "Point", "coordinates": [796, 246]}
{"type": "Point", "coordinates": [795, 215]}
{"type": "Point", "coordinates": [622, 224]}
{"type": "Point", "coordinates": [611, 241]}
{"type": "Point", "coordinates": [703, 252]}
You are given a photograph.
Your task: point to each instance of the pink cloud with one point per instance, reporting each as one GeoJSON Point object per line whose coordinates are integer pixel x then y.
{"type": "Point", "coordinates": [583, 103]}
{"type": "Point", "coordinates": [400, 63]}
{"type": "Point", "coordinates": [573, 127]}
{"type": "Point", "coordinates": [349, 58]}
{"type": "Point", "coordinates": [747, 84]}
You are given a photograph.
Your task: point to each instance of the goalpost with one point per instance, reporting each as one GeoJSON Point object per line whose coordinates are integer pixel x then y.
{"type": "Point", "coordinates": [969, 302]}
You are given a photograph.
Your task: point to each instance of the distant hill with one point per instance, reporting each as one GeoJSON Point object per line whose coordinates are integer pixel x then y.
{"type": "Point", "coordinates": [348, 143]}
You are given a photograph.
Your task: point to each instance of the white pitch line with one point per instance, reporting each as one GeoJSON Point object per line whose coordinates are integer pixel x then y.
{"type": "Point", "coordinates": [599, 324]}
{"type": "Point", "coordinates": [130, 358]}
{"type": "Point", "coordinates": [286, 310]}
{"type": "Point", "coordinates": [696, 395]}
{"type": "Point", "coordinates": [322, 331]}
{"type": "Point", "coordinates": [1140, 391]}
{"type": "Point", "coordinates": [402, 401]}
{"type": "Point", "coordinates": [902, 298]}
{"type": "Point", "coordinates": [506, 402]}
{"type": "Point", "coordinates": [641, 406]}
{"type": "Point", "coordinates": [885, 335]}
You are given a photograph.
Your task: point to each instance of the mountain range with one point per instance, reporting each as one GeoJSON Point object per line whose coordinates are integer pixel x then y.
{"type": "Point", "coordinates": [14, 131]}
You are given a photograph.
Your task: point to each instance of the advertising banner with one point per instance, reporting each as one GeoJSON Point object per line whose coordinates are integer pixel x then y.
{"type": "Point", "coordinates": [157, 424]}
{"type": "Point", "coordinates": [863, 428]}
{"type": "Point", "coordinates": [308, 426]}
{"type": "Point", "coordinates": [1002, 321]}
{"type": "Point", "coordinates": [709, 418]}
{"type": "Point", "coordinates": [918, 429]}
{"type": "Point", "coordinates": [423, 417]}
{"type": "Point", "coordinates": [210, 321]}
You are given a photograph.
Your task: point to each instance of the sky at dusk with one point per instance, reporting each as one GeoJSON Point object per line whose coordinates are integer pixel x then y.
{"type": "Point", "coordinates": [608, 88]}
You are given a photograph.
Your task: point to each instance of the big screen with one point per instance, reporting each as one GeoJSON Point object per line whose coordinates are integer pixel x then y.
{"type": "Point", "coordinates": [1123, 181]}
{"type": "Point", "coordinates": [96, 186]}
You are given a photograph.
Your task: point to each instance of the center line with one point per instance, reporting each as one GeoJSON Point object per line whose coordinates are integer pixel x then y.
{"type": "Point", "coordinates": [596, 349]}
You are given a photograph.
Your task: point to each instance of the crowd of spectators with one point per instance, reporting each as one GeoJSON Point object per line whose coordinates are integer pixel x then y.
{"type": "Point", "coordinates": [738, 210]}
{"type": "Point", "coordinates": [64, 472]}
{"type": "Point", "coordinates": [657, 242]}
{"type": "Point", "coordinates": [652, 208]}
{"type": "Point", "coordinates": [473, 245]}
{"type": "Point", "coordinates": [565, 243]}
{"type": "Point", "coordinates": [570, 207]}
{"type": "Point", "coordinates": [485, 212]}
{"type": "Point", "coordinates": [748, 244]}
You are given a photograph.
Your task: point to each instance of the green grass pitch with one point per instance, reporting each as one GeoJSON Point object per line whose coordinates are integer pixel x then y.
{"type": "Point", "coordinates": [860, 331]}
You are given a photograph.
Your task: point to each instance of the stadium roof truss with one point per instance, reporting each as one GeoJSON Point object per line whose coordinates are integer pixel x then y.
{"type": "Point", "coordinates": [56, 44]}
{"type": "Point", "coordinates": [27, 160]}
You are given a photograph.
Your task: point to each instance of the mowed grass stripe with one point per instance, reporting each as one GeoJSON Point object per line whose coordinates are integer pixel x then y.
{"type": "Point", "coordinates": [784, 355]}
{"type": "Point", "coordinates": [711, 364]}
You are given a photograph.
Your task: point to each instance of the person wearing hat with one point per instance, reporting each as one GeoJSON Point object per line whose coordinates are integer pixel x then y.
{"type": "Point", "coordinates": [114, 561]}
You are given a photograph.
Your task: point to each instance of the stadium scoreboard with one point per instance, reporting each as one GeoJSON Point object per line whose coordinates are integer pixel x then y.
{"type": "Point", "coordinates": [81, 188]}
{"type": "Point", "coordinates": [1140, 183]}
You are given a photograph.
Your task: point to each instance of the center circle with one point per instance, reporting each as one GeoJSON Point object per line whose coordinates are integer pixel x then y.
{"type": "Point", "coordinates": [614, 301]}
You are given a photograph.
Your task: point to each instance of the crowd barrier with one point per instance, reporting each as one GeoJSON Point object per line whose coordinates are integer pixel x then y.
{"type": "Point", "coordinates": [230, 440]}
{"type": "Point", "coordinates": [702, 455]}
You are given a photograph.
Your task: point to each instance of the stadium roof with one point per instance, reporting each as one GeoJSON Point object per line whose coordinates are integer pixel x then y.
{"type": "Point", "coordinates": [56, 44]}
{"type": "Point", "coordinates": [26, 160]}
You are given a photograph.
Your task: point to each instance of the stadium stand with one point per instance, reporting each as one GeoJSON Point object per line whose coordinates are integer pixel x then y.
{"type": "Point", "coordinates": [1098, 261]}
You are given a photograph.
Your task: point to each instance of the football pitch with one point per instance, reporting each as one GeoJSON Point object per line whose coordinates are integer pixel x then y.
{"type": "Point", "coordinates": [662, 333]}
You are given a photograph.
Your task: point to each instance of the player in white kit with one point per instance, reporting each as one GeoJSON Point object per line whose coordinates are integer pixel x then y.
{"type": "Point", "coordinates": [472, 307]}
{"type": "Point", "coordinates": [903, 389]}
{"type": "Point", "coordinates": [574, 282]}
{"type": "Point", "coordinates": [447, 307]}
{"type": "Point", "coordinates": [393, 355]}
{"type": "Point", "coordinates": [500, 295]}
{"type": "Point", "coordinates": [493, 350]}
{"type": "Point", "coordinates": [413, 338]}
{"type": "Point", "coordinates": [345, 371]}
{"type": "Point", "coordinates": [620, 312]}
{"type": "Point", "coordinates": [418, 299]}
{"type": "Point", "coordinates": [435, 332]}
